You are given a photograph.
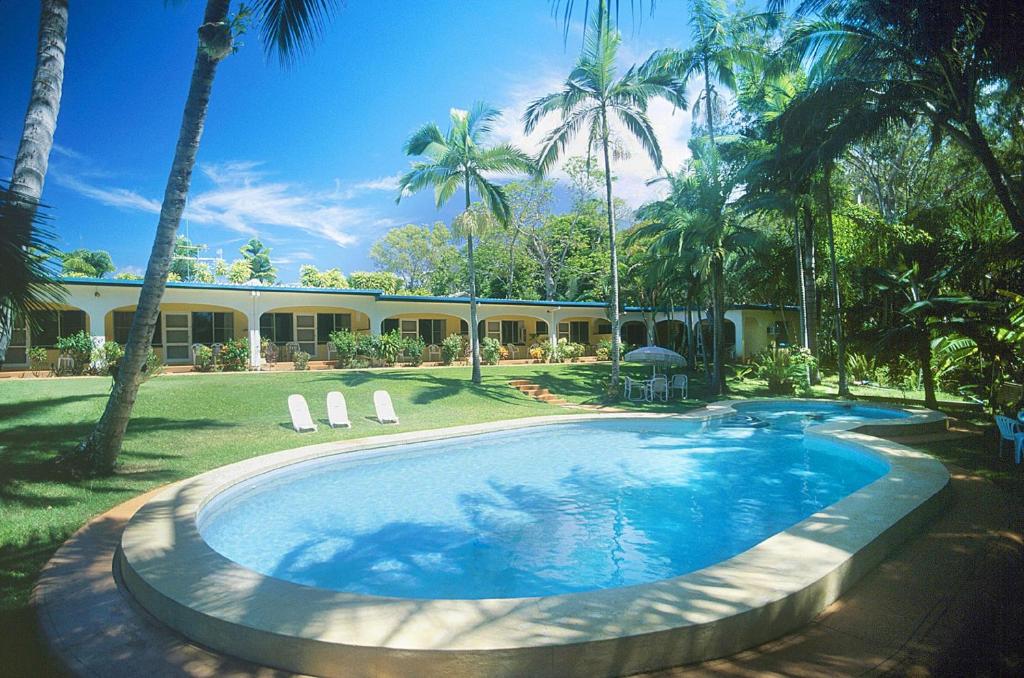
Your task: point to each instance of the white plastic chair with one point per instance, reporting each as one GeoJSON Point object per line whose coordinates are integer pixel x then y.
{"type": "Point", "coordinates": [337, 410]}
{"type": "Point", "coordinates": [434, 353]}
{"type": "Point", "coordinates": [658, 389]}
{"type": "Point", "coordinates": [385, 410]}
{"type": "Point", "coordinates": [1012, 432]}
{"type": "Point", "coordinates": [511, 351]}
{"type": "Point", "coordinates": [301, 420]}
{"type": "Point", "coordinates": [292, 347]}
{"type": "Point", "coordinates": [681, 382]}
{"type": "Point", "coordinates": [635, 389]}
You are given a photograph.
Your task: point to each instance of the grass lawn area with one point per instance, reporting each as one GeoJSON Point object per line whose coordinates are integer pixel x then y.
{"type": "Point", "coordinates": [186, 424]}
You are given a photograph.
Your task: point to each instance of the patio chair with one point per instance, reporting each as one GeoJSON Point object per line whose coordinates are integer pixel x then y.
{"type": "Point", "coordinates": [635, 389]}
{"type": "Point", "coordinates": [511, 351]}
{"type": "Point", "coordinates": [270, 357]}
{"type": "Point", "coordinates": [385, 410]}
{"type": "Point", "coordinates": [291, 348]}
{"type": "Point", "coordinates": [681, 382]}
{"type": "Point", "coordinates": [192, 351]}
{"type": "Point", "coordinates": [434, 353]}
{"type": "Point", "coordinates": [330, 352]}
{"type": "Point", "coordinates": [301, 420]}
{"type": "Point", "coordinates": [65, 364]}
{"type": "Point", "coordinates": [1012, 432]}
{"type": "Point", "coordinates": [337, 411]}
{"type": "Point", "coordinates": [659, 389]}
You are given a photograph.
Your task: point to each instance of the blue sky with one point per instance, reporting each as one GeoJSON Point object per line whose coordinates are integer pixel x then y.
{"type": "Point", "coordinates": [304, 157]}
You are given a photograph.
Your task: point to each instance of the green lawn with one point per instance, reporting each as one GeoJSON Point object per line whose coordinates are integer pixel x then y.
{"type": "Point", "coordinates": [187, 424]}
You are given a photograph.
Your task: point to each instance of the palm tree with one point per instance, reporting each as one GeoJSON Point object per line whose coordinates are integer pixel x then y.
{"type": "Point", "coordinates": [878, 61]}
{"type": "Point", "coordinates": [590, 98]}
{"type": "Point", "coordinates": [697, 224]}
{"type": "Point", "coordinates": [457, 160]}
{"type": "Point", "coordinates": [287, 27]}
{"type": "Point", "coordinates": [25, 278]}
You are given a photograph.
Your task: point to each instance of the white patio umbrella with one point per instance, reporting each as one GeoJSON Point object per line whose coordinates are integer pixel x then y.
{"type": "Point", "coordinates": [655, 356]}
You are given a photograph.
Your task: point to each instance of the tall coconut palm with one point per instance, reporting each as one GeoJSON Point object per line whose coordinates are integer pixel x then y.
{"type": "Point", "coordinates": [591, 98]}
{"type": "Point", "coordinates": [458, 160]}
{"type": "Point", "coordinates": [696, 223]}
{"type": "Point", "coordinates": [25, 279]}
{"type": "Point", "coordinates": [287, 27]}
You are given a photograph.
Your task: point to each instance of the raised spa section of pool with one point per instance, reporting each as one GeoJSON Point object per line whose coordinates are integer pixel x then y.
{"type": "Point", "coordinates": [540, 511]}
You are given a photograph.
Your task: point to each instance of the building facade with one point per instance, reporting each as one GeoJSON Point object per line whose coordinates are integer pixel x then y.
{"type": "Point", "coordinates": [194, 313]}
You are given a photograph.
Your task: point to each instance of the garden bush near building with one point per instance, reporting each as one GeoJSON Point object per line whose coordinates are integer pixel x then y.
{"type": "Point", "coordinates": [234, 356]}
{"type": "Point", "coordinates": [79, 346]}
{"type": "Point", "coordinates": [490, 350]}
{"type": "Point", "coordinates": [346, 347]}
{"type": "Point", "coordinates": [452, 349]}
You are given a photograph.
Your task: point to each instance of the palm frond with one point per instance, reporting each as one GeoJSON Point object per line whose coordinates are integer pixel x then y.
{"type": "Point", "coordinates": [289, 27]}
{"type": "Point", "coordinates": [427, 140]}
{"type": "Point", "coordinates": [639, 125]}
{"type": "Point", "coordinates": [27, 254]}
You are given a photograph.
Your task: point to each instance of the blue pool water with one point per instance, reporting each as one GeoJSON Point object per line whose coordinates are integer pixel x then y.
{"type": "Point", "coordinates": [532, 512]}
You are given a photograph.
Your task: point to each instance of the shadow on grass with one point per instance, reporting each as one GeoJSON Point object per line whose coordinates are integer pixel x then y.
{"type": "Point", "coordinates": [25, 407]}
{"type": "Point", "coordinates": [432, 387]}
{"type": "Point", "coordinates": [27, 453]}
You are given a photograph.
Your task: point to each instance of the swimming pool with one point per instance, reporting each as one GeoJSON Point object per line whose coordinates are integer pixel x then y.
{"type": "Point", "coordinates": [646, 545]}
{"type": "Point", "coordinates": [534, 512]}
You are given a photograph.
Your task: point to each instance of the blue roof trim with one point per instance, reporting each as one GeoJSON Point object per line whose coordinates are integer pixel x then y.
{"type": "Point", "coordinates": [214, 286]}
{"type": "Point", "coordinates": [379, 295]}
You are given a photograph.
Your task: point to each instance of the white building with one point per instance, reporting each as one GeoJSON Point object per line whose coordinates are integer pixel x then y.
{"type": "Point", "coordinates": [196, 313]}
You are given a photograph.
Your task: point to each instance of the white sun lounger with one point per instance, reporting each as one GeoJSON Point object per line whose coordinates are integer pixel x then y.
{"type": "Point", "coordinates": [337, 411]}
{"type": "Point", "coordinates": [385, 410]}
{"type": "Point", "coordinates": [300, 414]}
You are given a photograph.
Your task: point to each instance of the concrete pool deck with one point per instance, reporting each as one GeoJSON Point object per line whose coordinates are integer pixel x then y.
{"type": "Point", "coordinates": [121, 629]}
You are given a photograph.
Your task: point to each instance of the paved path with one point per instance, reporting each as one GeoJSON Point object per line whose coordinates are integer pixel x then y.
{"type": "Point", "coordinates": [927, 602]}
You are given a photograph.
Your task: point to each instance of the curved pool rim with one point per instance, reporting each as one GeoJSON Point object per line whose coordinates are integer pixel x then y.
{"type": "Point", "coordinates": [769, 590]}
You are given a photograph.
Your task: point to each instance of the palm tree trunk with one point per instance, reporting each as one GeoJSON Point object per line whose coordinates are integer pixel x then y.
{"type": "Point", "coordinates": [616, 340]}
{"type": "Point", "coordinates": [927, 376]}
{"type": "Point", "coordinates": [810, 292]}
{"type": "Point", "coordinates": [689, 333]}
{"type": "Point", "coordinates": [837, 299]}
{"type": "Point", "coordinates": [98, 453]}
{"type": "Point", "coordinates": [717, 327]}
{"type": "Point", "coordinates": [32, 159]}
{"type": "Point", "coordinates": [976, 143]}
{"type": "Point", "coordinates": [474, 330]}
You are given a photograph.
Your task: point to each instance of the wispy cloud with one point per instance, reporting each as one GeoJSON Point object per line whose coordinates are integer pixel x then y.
{"type": "Point", "coordinates": [112, 197]}
{"type": "Point", "coordinates": [389, 183]}
{"type": "Point", "coordinates": [243, 197]}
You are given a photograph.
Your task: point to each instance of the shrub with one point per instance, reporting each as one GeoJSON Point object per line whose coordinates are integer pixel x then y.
{"type": "Point", "coordinates": [503, 352]}
{"type": "Point", "coordinates": [38, 360]}
{"type": "Point", "coordinates": [203, 359]}
{"type": "Point", "coordinates": [784, 369]}
{"type": "Point", "coordinates": [234, 356]}
{"type": "Point", "coordinates": [366, 346]}
{"type": "Point", "coordinates": [571, 351]}
{"type": "Point", "coordinates": [604, 349]}
{"type": "Point", "coordinates": [79, 346]}
{"type": "Point", "coordinates": [108, 357]}
{"type": "Point", "coordinates": [490, 350]}
{"type": "Point", "coordinates": [451, 349]}
{"type": "Point", "coordinates": [537, 352]}
{"type": "Point", "coordinates": [388, 346]}
{"type": "Point", "coordinates": [300, 360]}
{"type": "Point", "coordinates": [414, 349]}
{"type": "Point", "coordinates": [346, 346]}
{"type": "Point", "coordinates": [154, 366]}
{"type": "Point", "coordinates": [862, 368]}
